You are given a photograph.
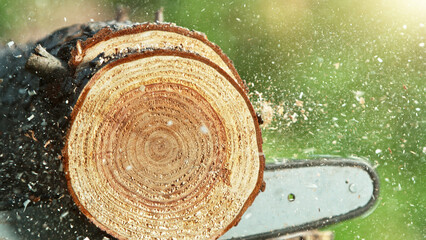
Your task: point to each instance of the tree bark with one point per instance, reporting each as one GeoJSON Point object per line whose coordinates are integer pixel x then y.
{"type": "Point", "coordinates": [150, 123]}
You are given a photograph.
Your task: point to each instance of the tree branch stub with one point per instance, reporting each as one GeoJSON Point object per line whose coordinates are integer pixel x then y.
{"type": "Point", "coordinates": [44, 64]}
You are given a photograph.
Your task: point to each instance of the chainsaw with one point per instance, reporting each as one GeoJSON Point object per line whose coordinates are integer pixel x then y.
{"type": "Point", "coordinates": [299, 195]}
{"type": "Point", "coordinates": [308, 194]}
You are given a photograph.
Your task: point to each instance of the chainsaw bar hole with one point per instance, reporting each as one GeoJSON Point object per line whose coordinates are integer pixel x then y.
{"type": "Point", "coordinates": [291, 197]}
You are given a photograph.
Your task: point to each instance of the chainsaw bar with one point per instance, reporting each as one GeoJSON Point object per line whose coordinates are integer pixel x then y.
{"type": "Point", "coordinates": [308, 194]}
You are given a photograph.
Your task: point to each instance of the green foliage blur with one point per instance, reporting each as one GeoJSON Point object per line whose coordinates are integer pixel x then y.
{"type": "Point", "coordinates": [339, 77]}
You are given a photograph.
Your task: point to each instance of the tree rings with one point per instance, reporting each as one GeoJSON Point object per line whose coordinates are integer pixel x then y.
{"type": "Point", "coordinates": [164, 144]}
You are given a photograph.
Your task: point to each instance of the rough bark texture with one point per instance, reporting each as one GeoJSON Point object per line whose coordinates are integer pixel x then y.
{"type": "Point", "coordinates": [37, 98]}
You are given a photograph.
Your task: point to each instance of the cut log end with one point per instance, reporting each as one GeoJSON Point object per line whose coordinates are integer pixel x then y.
{"type": "Point", "coordinates": [140, 37]}
{"type": "Point", "coordinates": [163, 143]}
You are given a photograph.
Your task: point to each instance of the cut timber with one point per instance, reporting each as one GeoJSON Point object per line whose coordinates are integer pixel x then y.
{"type": "Point", "coordinates": [163, 140]}
{"type": "Point", "coordinates": [151, 36]}
{"type": "Point", "coordinates": [159, 140]}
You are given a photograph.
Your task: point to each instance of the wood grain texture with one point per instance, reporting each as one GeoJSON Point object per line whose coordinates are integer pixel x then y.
{"type": "Point", "coordinates": [164, 142]}
{"type": "Point", "coordinates": [110, 42]}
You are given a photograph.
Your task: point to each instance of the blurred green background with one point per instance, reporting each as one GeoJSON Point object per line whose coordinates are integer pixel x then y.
{"type": "Point", "coordinates": [338, 77]}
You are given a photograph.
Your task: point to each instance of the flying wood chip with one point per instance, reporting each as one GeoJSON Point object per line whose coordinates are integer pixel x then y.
{"type": "Point", "coordinates": [164, 142]}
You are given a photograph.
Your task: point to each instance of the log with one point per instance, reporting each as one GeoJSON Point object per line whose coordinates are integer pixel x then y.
{"type": "Point", "coordinates": [149, 126]}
